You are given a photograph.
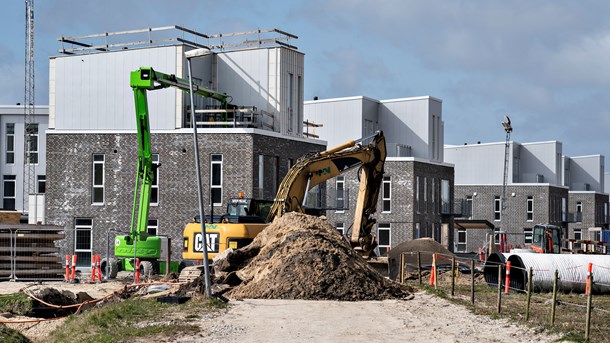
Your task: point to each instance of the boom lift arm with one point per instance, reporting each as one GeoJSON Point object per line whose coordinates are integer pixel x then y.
{"type": "Point", "coordinates": [312, 170]}
{"type": "Point", "coordinates": [143, 80]}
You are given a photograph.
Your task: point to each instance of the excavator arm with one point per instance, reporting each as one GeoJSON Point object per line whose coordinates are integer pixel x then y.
{"type": "Point", "coordinates": [316, 168]}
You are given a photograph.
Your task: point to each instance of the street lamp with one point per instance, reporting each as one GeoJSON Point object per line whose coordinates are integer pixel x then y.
{"type": "Point", "coordinates": [206, 270]}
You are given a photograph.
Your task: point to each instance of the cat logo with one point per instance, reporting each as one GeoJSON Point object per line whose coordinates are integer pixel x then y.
{"type": "Point", "coordinates": [212, 240]}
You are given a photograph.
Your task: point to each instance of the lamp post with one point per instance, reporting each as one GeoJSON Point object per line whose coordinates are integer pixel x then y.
{"type": "Point", "coordinates": [508, 129]}
{"type": "Point", "coordinates": [190, 54]}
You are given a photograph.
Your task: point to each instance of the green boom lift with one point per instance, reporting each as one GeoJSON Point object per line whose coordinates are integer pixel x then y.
{"type": "Point", "coordinates": [148, 248]}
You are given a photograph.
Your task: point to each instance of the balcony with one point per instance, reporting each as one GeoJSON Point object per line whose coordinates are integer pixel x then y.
{"type": "Point", "coordinates": [461, 208]}
{"type": "Point", "coordinates": [214, 117]}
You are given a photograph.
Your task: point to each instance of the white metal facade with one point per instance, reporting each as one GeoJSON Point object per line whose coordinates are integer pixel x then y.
{"type": "Point", "coordinates": [92, 91]}
{"type": "Point", "coordinates": [15, 115]}
{"type": "Point", "coordinates": [414, 124]}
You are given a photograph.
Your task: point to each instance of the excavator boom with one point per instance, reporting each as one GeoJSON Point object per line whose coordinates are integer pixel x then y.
{"type": "Point", "coordinates": [316, 168]}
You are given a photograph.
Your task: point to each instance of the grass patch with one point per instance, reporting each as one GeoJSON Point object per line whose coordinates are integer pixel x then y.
{"type": "Point", "coordinates": [130, 319]}
{"type": "Point", "coordinates": [8, 335]}
{"type": "Point", "coordinates": [16, 303]}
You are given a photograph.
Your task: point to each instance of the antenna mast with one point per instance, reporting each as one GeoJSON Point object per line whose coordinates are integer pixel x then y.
{"type": "Point", "coordinates": [30, 131]}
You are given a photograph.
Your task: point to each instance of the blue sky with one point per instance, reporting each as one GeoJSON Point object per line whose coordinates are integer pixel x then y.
{"type": "Point", "coordinates": [543, 63]}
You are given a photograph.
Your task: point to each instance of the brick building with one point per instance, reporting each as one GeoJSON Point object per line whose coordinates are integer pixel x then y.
{"type": "Point", "coordinates": [92, 149]}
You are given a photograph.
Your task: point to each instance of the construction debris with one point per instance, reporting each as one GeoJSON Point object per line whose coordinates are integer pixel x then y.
{"type": "Point", "coordinates": [302, 257]}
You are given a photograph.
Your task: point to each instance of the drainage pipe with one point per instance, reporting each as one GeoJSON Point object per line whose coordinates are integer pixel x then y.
{"type": "Point", "coordinates": [490, 269]}
{"type": "Point", "coordinates": [572, 272]}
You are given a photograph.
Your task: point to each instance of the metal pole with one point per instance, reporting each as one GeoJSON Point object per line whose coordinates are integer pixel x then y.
{"type": "Point", "coordinates": [589, 307]}
{"type": "Point", "coordinates": [419, 267]}
{"type": "Point", "coordinates": [499, 288]}
{"type": "Point", "coordinates": [208, 288]}
{"type": "Point", "coordinates": [530, 275]}
{"type": "Point", "coordinates": [472, 281]}
{"type": "Point", "coordinates": [452, 275]}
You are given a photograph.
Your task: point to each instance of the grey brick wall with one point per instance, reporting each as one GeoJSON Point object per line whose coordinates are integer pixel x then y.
{"type": "Point", "coordinates": [547, 209]}
{"type": "Point", "coordinates": [69, 178]}
{"type": "Point", "coordinates": [402, 217]}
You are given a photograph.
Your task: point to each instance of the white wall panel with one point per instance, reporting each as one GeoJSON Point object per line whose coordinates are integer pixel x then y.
{"type": "Point", "coordinates": [93, 92]}
{"type": "Point", "coordinates": [541, 158]}
{"type": "Point", "coordinates": [477, 164]}
{"type": "Point", "coordinates": [587, 170]}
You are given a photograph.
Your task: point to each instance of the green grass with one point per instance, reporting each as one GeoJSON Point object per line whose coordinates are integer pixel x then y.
{"type": "Point", "coordinates": [17, 303]}
{"type": "Point", "coordinates": [123, 321]}
{"type": "Point", "coordinates": [8, 335]}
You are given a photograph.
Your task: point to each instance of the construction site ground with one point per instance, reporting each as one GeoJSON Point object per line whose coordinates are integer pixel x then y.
{"type": "Point", "coordinates": [424, 318]}
{"type": "Point", "coordinates": [299, 281]}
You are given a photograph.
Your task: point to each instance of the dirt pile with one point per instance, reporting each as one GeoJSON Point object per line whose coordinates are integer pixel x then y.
{"type": "Point", "coordinates": [426, 247]}
{"type": "Point", "coordinates": [303, 257]}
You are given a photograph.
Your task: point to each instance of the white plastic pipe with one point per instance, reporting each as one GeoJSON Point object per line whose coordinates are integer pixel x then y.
{"type": "Point", "coordinates": [572, 271]}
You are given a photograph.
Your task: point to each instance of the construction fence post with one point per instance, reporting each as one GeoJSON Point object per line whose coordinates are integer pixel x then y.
{"type": "Point", "coordinates": [137, 271]}
{"type": "Point", "coordinates": [67, 268]}
{"type": "Point", "coordinates": [402, 268]}
{"type": "Point", "coordinates": [452, 275]}
{"type": "Point", "coordinates": [73, 276]}
{"type": "Point", "coordinates": [499, 288]}
{"type": "Point", "coordinates": [419, 267]}
{"type": "Point", "coordinates": [554, 304]}
{"type": "Point", "coordinates": [530, 274]}
{"type": "Point", "coordinates": [472, 281]}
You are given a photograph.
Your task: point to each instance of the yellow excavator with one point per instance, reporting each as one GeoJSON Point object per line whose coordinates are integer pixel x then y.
{"type": "Point", "coordinates": [309, 171]}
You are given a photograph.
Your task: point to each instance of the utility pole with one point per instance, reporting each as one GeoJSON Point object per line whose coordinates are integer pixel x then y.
{"type": "Point", "coordinates": [508, 128]}
{"type": "Point", "coordinates": [30, 132]}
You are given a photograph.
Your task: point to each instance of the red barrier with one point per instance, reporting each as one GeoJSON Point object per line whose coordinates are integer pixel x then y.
{"type": "Point", "coordinates": [67, 268]}
{"type": "Point", "coordinates": [73, 276]}
{"type": "Point", "coordinates": [137, 270]}
{"type": "Point", "coordinates": [98, 263]}
{"type": "Point", "coordinates": [92, 269]}
{"type": "Point", "coordinates": [433, 271]}
{"type": "Point", "coordinates": [588, 286]}
{"type": "Point", "coordinates": [507, 282]}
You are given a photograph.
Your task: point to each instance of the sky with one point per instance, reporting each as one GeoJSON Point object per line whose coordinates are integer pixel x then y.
{"type": "Point", "coordinates": [543, 63]}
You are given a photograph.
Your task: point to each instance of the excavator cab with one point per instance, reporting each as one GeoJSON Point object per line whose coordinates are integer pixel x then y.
{"type": "Point", "coordinates": [546, 239]}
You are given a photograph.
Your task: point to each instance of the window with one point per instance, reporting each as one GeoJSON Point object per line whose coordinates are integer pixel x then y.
{"type": "Point", "coordinates": [153, 227]}
{"type": "Point", "coordinates": [497, 208]}
{"type": "Point", "coordinates": [468, 209]}
{"type": "Point", "coordinates": [384, 238]}
{"type": "Point", "coordinates": [42, 183]}
{"type": "Point", "coordinates": [98, 180]}
{"type": "Point", "coordinates": [154, 187]}
{"type": "Point", "coordinates": [340, 186]}
{"type": "Point", "coordinates": [340, 228]}
{"type": "Point", "coordinates": [9, 183]}
{"type": "Point", "coordinates": [32, 143]}
{"type": "Point", "coordinates": [216, 179]}
{"type": "Point", "coordinates": [578, 211]}
{"type": "Point", "coordinates": [417, 194]}
{"type": "Point", "coordinates": [417, 233]}
{"type": "Point", "coordinates": [530, 208]}
{"type": "Point", "coordinates": [387, 194]}
{"type": "Point", "coordinates": [461, 240]}
{"type": "Point", "coordinates": [290, 102]}
{"type": "Point", "coordinates": [445, 199]}
{"type": "Point", "coordinates": [528, 235]}
{"type": "Point", "coordinates": [82, 241]}
{"type": "Point", "coordinates": [578, 238]}
{"type": "Point", "coordinates": [10, 143]}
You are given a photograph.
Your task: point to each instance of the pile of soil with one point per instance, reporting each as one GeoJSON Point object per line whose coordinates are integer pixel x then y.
{"type": "Point", "coordinates": [303, 257]}
{"type": "Point", "coordinates": [426, 247]}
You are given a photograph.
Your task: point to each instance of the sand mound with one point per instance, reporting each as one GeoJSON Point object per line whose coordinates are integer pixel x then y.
{"type": "Point", "coordinates": [426, 247]}
{"type": "Point", "coordinates": [303, 257]}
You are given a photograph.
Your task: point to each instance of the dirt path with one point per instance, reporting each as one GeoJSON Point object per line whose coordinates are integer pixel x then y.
{"type": "Point", "coordinates": [423, 319]}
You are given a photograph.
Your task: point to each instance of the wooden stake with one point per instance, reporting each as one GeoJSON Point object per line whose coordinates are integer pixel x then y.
{"type": "Point", "coordinates": [530, 274]}
{"type": "Point", "coordinates": [419, 267]}
{"type": "Point", "coordinates": [452, 275]}
{"type": "Point", "coordinates": [402, 268]}
{"type": "Point", "coordinates": [472, 281]}
{"type": "Point", "coordinates": [499, 288]}
{"type": "Point", "coordinates": [554, 305]}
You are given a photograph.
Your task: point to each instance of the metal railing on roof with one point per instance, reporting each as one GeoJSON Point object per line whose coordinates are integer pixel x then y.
{"type": "Point", "coordinates": [153, 37]}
